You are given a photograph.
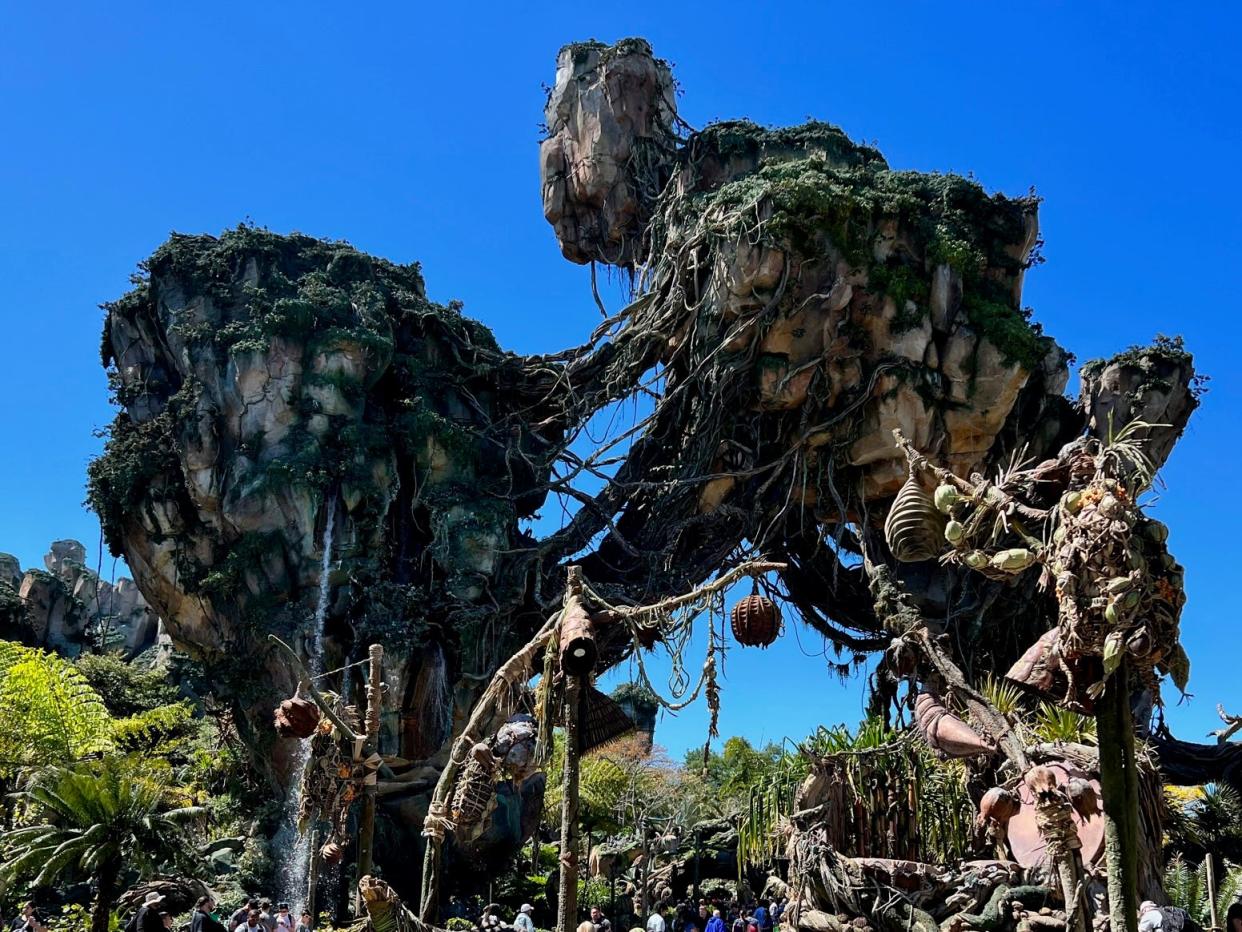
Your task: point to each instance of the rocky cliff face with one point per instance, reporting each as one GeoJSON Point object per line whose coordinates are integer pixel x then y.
{"type": "Point", "coordinates": [795, 300]}
{"type": "Point", "coordinates": [66, 607]}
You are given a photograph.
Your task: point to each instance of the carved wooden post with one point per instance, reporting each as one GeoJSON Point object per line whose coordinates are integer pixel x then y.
{"type": "Point", "coordinates": [375, 701]}
{"type": "Point", "coordinates": [567, 903]}
{"type": "Point", "coordinates": [567, 908]}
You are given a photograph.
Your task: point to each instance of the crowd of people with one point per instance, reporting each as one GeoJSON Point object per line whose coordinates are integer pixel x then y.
{"type": "Point", "coordinates": [252, 916]}
{"type": "Point", "coordinates": [716, 915]}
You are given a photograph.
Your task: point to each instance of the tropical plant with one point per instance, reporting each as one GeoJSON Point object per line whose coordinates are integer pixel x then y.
{"type": "Point", "coordinates": [50, 712]}
{"type": "Point", "coordinates": [127, 688]}
{"type": "Point", "coordinates": [1186, 886]}
{"type": "Point", "coordinates": [97, 819]}
{"type": "Point", "coordinates": [1203, 819]}
{"type": "Point", "coordinates": [1057, 723]}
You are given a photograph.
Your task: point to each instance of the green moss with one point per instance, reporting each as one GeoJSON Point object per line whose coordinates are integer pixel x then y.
{"type": "Point", "coordinates": [226, 580]}
{"type": "Point", "coordinates": [1008, 329]}
{"type": "Point", "coordinates": [136, 454]}
{"type": "Point", "coordinates": [742, 138]}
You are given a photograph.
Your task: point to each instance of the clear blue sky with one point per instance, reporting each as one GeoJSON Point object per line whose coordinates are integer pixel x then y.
{"type": "Point", "coordinates": [411, 129]}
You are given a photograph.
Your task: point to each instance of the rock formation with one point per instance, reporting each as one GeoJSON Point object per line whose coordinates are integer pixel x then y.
{"type": "Point", "coordinates": [66, 607]}
{"type": "Point", "coordinates": [795, 300]}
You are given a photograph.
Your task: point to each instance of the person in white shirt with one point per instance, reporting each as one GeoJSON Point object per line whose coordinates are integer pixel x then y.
{"type": "Point", "coordinates": [655, 922]}
{"type": "Point", "coordinates": [523, 922]}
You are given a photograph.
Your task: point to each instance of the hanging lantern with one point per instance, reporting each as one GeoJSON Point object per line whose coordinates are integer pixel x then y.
{"type": "Point", "coordinates": [332, 853]}
{"type": "Point", "coordinates": [297, 718]}
{"type": "Point", "coordinates": [756, 620]}
{"type": "Point", "coordinates": [914, 529]}
{"type": "Point", "coordinates": [579, 652]}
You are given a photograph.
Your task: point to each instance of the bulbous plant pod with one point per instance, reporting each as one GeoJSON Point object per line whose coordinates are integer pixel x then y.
{"type": "Point", "coordinates": [1025, 841]}
{"type": "Point", "coordinates": [332, 853]}
{"type": "Point", "coordinates": [945, 732]}
{"type": "Point", "coordinates": [297, 718]}
{"type": "Point", "coordinates": [914, 529]}
{"type": "Point", "coordinates": [578, 650]}
{"type": "Point", "coordinates": [756, 621]}
{"type": "Point", "coordinates": [1083, 796]}
{"type": "Point", "coordinates": [474, 787]}
{"type": "Point", "coordinates": [998, 806]}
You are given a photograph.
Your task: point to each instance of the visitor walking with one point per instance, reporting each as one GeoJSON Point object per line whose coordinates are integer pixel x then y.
{"type": "Point", "coordinates": [239, 915]}
{"type": "Point", "coordinates": [655, 922]}
{"type": "Point", "coordinates": [522, 922]}
{"type": "Point", "coordinates": [266, 916]}
{"type": "Point", "coordinates": [203, 920]}
{"type": "Point", "coordinates": [715, 924]}
{"type": "Point", "coordinates": [598, 922]}
{"type": "Point", "coordinates": [253, 923]}
{"type": "Point", "coordinates": [283, 918]}
{"type": "Point", "coordinates": [305, 923]}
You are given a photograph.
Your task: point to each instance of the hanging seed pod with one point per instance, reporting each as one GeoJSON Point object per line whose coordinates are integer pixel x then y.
{"type": "Point", "coordinates": [756, 621]}
{"type": "Point", "coordinates": [297, 718]}
{"type": "Point", "coordinates": [944, 731]}
{"type": "Point", "coordinates": [1139, 643]}
{"type": "Point", "coordinates": [332, 853]}
{"type": "Point", "coordinates": [954, 532]}
{"type": "Point", "coordinates": [945, 498]}
{"type": "Point", "coordinates": [914, 529]}
{"type": "Point", "coordinates": [1012, 561]}
{"type": "Point", "coordinates": [474, 786]}
{"type": "Point", "coordinates": [975, 559]}
{"type": "Point", "coordinates": [1083, 797]}
{"type": "Point", "coordinates": [1071, 502]}
{"type": "Point", "coordinates": [1041, 779]}
{"type": "Point", "coordinates": [998, 806]}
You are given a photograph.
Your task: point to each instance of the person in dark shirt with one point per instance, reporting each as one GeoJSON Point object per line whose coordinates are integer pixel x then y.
{"type": "Point", "coordinates": [203, 920]}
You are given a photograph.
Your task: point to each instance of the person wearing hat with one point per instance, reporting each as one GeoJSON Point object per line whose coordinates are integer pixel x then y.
{"type": "Point", "coordinates": [523, 922]}
{"type": "Point", "coordinates": [147, 918]}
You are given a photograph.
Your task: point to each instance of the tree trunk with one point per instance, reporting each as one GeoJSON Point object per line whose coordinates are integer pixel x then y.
{"type": "Point", "coordinates": [1119, 785]}
{"type": "Point", "coordinates": [567, 905]}
{"type": "Point", "coordinates": [105, 896]}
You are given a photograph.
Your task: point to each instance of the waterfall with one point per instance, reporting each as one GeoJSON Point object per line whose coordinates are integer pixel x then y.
{"type": "Point", "coordinates": [293, 848]}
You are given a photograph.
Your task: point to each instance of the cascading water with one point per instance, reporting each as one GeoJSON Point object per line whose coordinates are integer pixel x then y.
{"type": "Point", "coordinates": [293, 848]}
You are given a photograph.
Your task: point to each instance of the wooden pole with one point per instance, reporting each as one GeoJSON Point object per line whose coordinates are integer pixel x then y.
{"type": "Point", "coordinates": [1119, 787]}
{"type": "Point", "coordinates": [1211, 885]}
{"type": "Point", "coordinates": [567, 905]}
{"type": "Point", "coordinates": [643, 904]}
{"type": "Point", "coordinates": [518, 668]}
{"type": "Point", "coordinates": [366, 825]}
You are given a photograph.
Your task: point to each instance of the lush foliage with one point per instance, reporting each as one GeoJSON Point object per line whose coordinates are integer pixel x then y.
{"type": "Point", "coordinates": [1187, 886]}
{"type": "Point", "coordinates": [127, 688]}
{"type": "Point", "coordinates": [52, 715]}
{"type": "Point", "coordinates": [97, 820]}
